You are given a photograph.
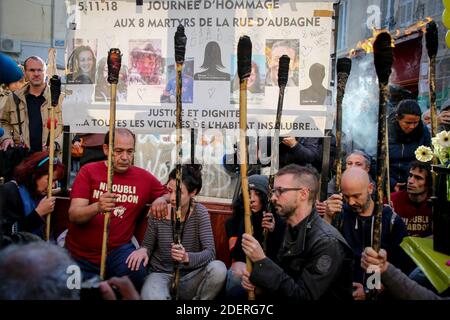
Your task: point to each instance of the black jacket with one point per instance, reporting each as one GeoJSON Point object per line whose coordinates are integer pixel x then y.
{"type": "Point", "coordinates": [402, 148]}
{"type": "Point", "coordinates": [306, 151]}
{"type": "Point", "coordinates": [357, 231]}
{"type": "Point", "coordinates": [314, 263]}
{"type": "Point", "coordinates": [13, 212]}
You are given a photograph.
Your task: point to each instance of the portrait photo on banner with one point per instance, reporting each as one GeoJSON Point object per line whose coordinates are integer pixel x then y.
{"type": "Point", "coordinates": [146, 64]}
{"type": "Point", "coordinates": [212, 68]}
{"type": "Point", "coordinates": [81, 63]}
{"type": "Point", "coordinates": [255, 82]}
{"type": "Point", "coordinates": [169, 93]}
{"type": "Point", "coordinates": [275, 48]}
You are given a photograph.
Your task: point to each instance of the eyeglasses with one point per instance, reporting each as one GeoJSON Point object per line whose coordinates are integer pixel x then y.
{"type": "Point", "coordinates": [280, 190]}
{"type": "Point", "coordinates": [55, 161]}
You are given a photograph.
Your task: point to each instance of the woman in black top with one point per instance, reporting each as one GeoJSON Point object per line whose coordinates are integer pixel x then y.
{"type": "Point", "coordinates": [25, 201]}
{"type": "Point", "coordinates": [272, 222]}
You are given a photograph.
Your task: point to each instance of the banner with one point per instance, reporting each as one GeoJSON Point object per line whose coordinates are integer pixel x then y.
{"type": "Point", "coordinates": [146, 89]}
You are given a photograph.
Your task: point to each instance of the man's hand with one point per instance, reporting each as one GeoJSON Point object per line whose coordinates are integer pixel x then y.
{"type": "Point", "coordinates": [123, 285]}
{"type": "Point", "coordinates": [7, 143]}
{"type": "Point", "coordinates": [246, 284]}
{"type": "Point", "coordinates": [252, 248]}
{"type": "Point", "coordinates": [45, 206]}
{"type": "Point", "coordinates": [136, 257]}
{"type": "Point", "coordinates": [358, 291]}
{"type": "Point", "coordinates": [159, 208]}
{"type": "Point", "coordinates": [290, 141]}
{"type": "Point", "coordinates": [371, 258]}
{"type": "Point", "coordinates": [107, 202]}
{"type": "Point", "coordinates": [268, 222]}
{"type": "Point", "coordinates": [444, 117]}
{"type": "Point", "coordinates": [334, 205]}
{"type": "Point", "coordinates": [179, 254]}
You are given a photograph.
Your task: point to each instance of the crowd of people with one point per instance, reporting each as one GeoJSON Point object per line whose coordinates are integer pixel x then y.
{"type": "Point", "coordinates": [300, 248]}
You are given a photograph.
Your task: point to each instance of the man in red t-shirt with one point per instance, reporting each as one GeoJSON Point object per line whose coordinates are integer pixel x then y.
{"type": "Point", "coordinates": [413, 204]}
{"type": "Point", "coordinates": [132, 189]}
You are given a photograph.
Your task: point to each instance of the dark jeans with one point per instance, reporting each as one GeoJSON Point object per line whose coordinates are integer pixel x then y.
{"type": "Point", "coordinates": [115, 266]}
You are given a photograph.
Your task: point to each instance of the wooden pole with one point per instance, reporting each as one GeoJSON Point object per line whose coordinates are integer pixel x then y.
{"type": "Point", "coordinates": [180, 49]}
{"type": "Point", "coordinates": [244, 53]}
{"type": "Point", "coordinates": [114, 64]}
{"type": "Point", "coordinates": [55, 91]}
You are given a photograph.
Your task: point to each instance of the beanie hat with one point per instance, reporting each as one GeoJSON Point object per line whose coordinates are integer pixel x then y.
{"type": "Point", "coordinates": [259, 183]}
{"type": "Point", "coordinates": [10, 70]}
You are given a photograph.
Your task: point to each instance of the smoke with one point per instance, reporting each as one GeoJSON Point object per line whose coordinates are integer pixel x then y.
{"type": "Point", "coordinates": [360, 106]}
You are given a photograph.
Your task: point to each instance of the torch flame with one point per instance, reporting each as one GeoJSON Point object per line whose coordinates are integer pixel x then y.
{"type": "Point", "coordinates": [367, 44]}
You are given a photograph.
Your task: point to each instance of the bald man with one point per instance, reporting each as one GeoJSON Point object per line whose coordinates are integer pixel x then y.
{"type": "Point", "coordinates": [355, 218]}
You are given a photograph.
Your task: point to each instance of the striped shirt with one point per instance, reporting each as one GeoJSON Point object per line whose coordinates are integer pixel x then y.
{"type": "Point", "coordinates": [198, 241]}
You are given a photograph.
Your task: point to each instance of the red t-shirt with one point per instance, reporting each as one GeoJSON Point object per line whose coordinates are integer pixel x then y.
{"type": "Point", "coordinates": [135, 188]}
{"type": "Point", "coordinates": [417, 216]}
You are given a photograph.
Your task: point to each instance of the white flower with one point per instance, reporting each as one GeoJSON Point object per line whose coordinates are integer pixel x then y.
{"type": "Point", "coordinates": [424, 154]}
{"type": "Point", "coordinates": [443, 139]}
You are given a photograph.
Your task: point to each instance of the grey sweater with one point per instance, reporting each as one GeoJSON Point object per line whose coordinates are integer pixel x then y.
{"type": "Point", "coordinates": [402, 287]}
{"type": "Point", "coordinates": [197, 240]}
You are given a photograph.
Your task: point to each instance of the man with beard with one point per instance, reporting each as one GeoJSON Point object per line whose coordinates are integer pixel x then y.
{"type": "Point", "coordinates": [314, 261]}
{"type": "Point", "coordinates": [355, 220]}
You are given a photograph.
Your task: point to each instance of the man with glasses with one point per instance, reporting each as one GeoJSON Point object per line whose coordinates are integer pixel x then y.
{"type": "Point", "coordinates": [314, 261]}
{"type": "Point", "coordinates": [27, 109]}
{"type": "Point", "coordinates": [132, 189]}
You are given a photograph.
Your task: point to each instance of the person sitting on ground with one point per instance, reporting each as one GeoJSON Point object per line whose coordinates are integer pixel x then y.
{"type": "Point", "coordinates": [269, 222]}
{"type": "Point", "coordinates": [355, 220]}
{"type": "Point", "coordinates": [314, 261]}
{"type": "Point", "coordinates": [132, 189]}
{"type": "Point", "coordinates": [201, 277]}
{"type": "Point", "coordinates": [26, 204]}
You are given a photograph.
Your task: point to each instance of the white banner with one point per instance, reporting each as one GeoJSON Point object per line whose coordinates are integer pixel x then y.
{"type": "Point", "coordinates": [146, 89]}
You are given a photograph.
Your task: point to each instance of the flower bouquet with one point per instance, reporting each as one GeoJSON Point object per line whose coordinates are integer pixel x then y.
{"type": "Point", "coordinates": [441, 149]}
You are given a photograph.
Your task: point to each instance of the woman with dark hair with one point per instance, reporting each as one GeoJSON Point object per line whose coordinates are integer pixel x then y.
{"type": "Point", "coordinates": [406, 133]}
{"type": "Point", "coordinates": [234, 227]}
{"type": "Point", "coordinates": [81, 64]}
{"type": "Point", "coordinates": [201, 277]}
{"type": "Point", "coordinates": [25, 201]}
